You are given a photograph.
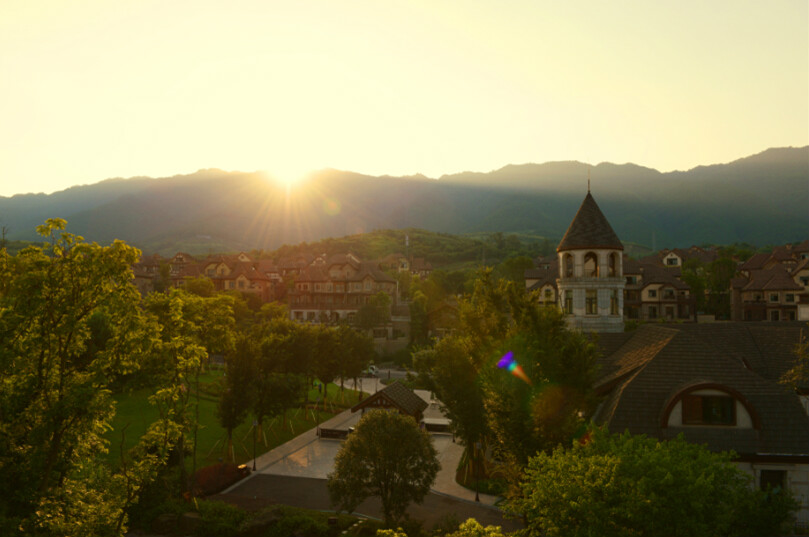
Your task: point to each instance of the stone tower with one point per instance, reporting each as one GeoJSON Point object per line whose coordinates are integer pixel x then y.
{"type": "Point", "coordinates": [591, 277]}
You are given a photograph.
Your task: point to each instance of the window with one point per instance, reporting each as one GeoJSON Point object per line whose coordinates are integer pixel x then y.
{"type": "Point", "coordinates": [791, 315]}
{"type": "Point", "coordinates": [669, 312]}
{"type": "Point", "coordinates": [614, 302]}
{"type": "Point", "coordinates": [568, 263]}
{"type": "Point", "coordinates": [317, 287]}
{"type": "Point", "coordinates": [368, 285]}
{"type": "Point", "coordinates": [668, 294]}
{"type": "Point", "coordinates": [709, 410]}
{"type": "Point", "coordinates": [548, 297]}
{"type": "Point", "coordinates": [591, 265]}
{"type": "Point", "coordinates": [652, 293]}
{"type": "Point", "coordinates": [775, 315]}
{"type": "Point", "coordinates": [772, 479]}
{"type": "Point", "coordinates": [653, 312]}
{"type": "Point", "coordinates": [568, 302]}
{"type": "Point", "coordinates": [789, 297]}
{"type": "Point", "coordinates": [773, 297]}
{"type": "Point", "coordinates": [380, 333]}
{"type": "Point", "coordinates": [631, 280]}
{"type": "Point", "coordinates": [241, 284]}
{"type": "Point", "coordinates": [591, 302]}
{"type": "Point", "coordinates": [310, 315]}
{"type": "Point", "coordinates": [613, 265]}
{"type": "Point", "coordinates": [672, 261]}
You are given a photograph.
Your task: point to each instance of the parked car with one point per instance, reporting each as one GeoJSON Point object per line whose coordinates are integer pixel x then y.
{"type": "Point", "coordinates": [370, 372]}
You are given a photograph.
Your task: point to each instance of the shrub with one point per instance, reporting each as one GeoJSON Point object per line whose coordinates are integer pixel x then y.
{"type": "Point", "coordinates": [219, 519]}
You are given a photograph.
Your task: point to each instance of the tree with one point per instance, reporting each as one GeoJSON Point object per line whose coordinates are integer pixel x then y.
{"type": "Point", "coordinates": [456, 383]}
{"type": "Point", "coordinates": [617, 485]}
{"type": "Point", "coordinates": [514, 268]}
{"type": "Point", "coordinates": [355, 351]}
{"type": "Point", "coordinates": [386, 456]}
{"type": "Point", "coordinates": [375, 313]}
{"type": "Point", "coordinates": [797, 376]}
{"type": "Point", "coordinates": [70, 325]}
{"type": "Point", "coordinates": [239, 392]}
{"type": "Point", "coordinates": [470, 528]}
{"type": "Point", "coordinates": [559, 364]}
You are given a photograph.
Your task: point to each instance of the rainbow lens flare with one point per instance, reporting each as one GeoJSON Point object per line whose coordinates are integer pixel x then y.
{"type": "Point", "coordinates": [510, 364]}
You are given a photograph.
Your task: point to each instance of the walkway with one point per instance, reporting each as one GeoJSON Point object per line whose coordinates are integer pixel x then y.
{"type": "Point", "coordinates": [295, 473]}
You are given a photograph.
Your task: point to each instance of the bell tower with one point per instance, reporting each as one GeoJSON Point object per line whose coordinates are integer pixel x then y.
{"type": "Point", "coordinates": [591, 277]}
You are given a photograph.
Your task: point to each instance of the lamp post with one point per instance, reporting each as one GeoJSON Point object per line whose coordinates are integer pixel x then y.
{"type": "Point", "coordinates": [477, 472]}
{"type": "Point", "coordinates": [255, 424]}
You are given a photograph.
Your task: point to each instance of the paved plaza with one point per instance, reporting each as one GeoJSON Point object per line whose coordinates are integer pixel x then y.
{"type": "Point", "coordinates": [295, 473]}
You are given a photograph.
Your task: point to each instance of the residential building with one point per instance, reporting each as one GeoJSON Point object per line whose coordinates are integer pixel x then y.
{"type": "Point", "coordinates": [333, 289]}
{"type": "Point", "coordinates": [773, 286]}
{"type": "Point", "coordinates": [717, 384]}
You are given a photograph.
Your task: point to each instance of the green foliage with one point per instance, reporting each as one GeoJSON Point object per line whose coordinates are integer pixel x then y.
{"type": "Point", "coordinates": [219, 519]}
{"type": "Point", "coordinates": [618, 485]}
{"type": "Point", "coordinates": [470, 528]}
{"type": "Point", "coordinates": [521, 416]}
{"type": "Point", "coordinates": [375, 313]}
{"type": "Point", "coordinates": [69, 326]}
{"type": "Point", "coordinates": [387, 456]}
{"type": "Point", "coordinates": [797, 376]}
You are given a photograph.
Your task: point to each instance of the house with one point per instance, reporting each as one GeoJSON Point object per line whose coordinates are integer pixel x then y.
{"type": "Point", "coordinates": [333, 289]}
{"type": "Point", "coordinates": [542, 280]}
{"type": "Point", "coordinates": [718, 385]}
{"type": "Point", "coordinates": [677, 257]}
{"type": "Point", "coordinates": [773, 286]}
{"type": "Point", "coordinates": [653, 292]}
{"type": "Point", "coordinates": [394, 397]}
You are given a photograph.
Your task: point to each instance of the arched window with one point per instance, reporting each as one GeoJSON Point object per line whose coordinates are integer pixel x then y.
{"type": "Point", "coordinates": [613, 265]}
{"type": "Point", "coordinates": [568, 265]}
{"type": "Point", "coordinates": [710, 405]}
{"type": "Point", "coordinates": [590, 265]}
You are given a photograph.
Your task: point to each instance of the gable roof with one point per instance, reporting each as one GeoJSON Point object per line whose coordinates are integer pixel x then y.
{"type": "Point", "coordinates": [589, 229]}
{"type": "Point", "coordinates": [398, 395]}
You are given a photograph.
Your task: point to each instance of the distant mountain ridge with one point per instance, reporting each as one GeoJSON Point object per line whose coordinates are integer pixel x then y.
{"type": "Point", "coordinates": [761, 199]}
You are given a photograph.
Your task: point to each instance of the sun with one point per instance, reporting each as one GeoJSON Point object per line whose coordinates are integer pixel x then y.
{"type": "Point", "coordinates": [289, 178]}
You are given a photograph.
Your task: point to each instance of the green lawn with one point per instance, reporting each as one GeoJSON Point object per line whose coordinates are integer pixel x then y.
{"type": "Point", "coordinates": [134, 415]}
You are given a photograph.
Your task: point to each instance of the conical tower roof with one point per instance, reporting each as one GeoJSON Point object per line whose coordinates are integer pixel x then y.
{"type": "Point", "coordinates": [589, 229]}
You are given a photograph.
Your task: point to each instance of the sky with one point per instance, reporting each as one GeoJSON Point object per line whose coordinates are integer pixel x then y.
{"type": "Point", "coordinates": [93, 89]}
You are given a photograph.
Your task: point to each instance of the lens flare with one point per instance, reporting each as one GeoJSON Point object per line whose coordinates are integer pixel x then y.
{"type": "Point", "coordinates": [508, 363]}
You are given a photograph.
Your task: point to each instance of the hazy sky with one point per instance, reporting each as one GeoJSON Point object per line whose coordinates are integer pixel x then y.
{"type": "Point", "coordinates": [93, 89]}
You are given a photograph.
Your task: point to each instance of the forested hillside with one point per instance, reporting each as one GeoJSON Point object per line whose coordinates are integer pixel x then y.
{"type": "Point", "coordinates": [760, 199]}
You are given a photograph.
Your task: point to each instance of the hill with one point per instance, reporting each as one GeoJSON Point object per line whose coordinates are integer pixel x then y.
{"type": "Point", "coordinates": [760, 199]}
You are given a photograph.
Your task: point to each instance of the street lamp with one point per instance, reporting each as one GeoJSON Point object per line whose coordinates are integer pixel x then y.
{"type": "Point", "coordinates": [477, 472]}
{"type": "Point", "coordinates": [255, 425]}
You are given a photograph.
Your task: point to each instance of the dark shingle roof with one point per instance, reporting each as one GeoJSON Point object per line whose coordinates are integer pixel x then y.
{"type": "Point", "coordinates": [643, 376]}
{"type": "Point", "coordinates": [398, 394]}
{"type": "Point", "coordinates": [589, 229]}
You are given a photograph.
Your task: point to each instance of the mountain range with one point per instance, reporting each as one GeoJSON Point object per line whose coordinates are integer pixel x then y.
{"type": "Point", "coordinates": [761, 199]}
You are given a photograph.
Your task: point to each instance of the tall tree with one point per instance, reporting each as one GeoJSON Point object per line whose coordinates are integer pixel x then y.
{"type": "Point", "coordinates": [387, 456]}
{"type": "Point", "coordinates": [239, 392]}
{"type": "Point", "coordinates": [70, 324]}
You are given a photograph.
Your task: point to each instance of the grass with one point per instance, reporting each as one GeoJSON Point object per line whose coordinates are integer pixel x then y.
{"type": "Point", "coordinates": [135, 414]}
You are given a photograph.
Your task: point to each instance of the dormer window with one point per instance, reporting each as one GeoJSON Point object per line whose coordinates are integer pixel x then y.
{"type": "Point", "coordinates": [709, 410]}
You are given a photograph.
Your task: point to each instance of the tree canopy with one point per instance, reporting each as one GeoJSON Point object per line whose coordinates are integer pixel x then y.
{"type": "Point", "coordinates": [386, 456]}
{"type": "Point", "coordinates": [622, 485]}
{"type": "Point", "coordinates": [70, 325]}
